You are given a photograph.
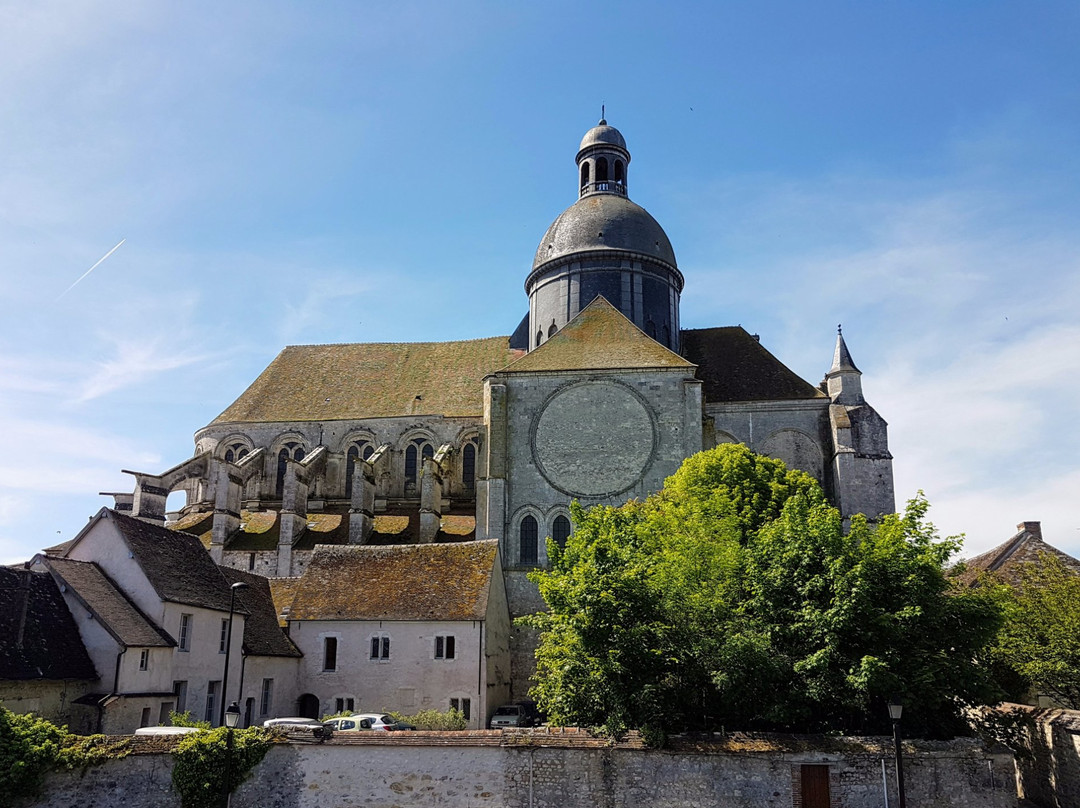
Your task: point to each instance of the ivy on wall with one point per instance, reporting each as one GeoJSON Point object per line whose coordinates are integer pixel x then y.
{"type": "Point", "coordinates": [200, 761]}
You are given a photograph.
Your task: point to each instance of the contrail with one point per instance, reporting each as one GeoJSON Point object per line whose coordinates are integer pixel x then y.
{"type": "Point", "coordinates": [95, 266]}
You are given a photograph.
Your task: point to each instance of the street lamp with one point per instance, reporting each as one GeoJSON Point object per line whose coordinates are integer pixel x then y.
{"type": "Point", "coordinates": [232, 718]}
{"type": "Point", "coordinates": [895, 709]}
{"type": "Point", "coordinates": [228, 647]}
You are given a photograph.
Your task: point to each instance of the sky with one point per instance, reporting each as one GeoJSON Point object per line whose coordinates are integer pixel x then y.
{"type": "Point", "coordinates": [282, 173]}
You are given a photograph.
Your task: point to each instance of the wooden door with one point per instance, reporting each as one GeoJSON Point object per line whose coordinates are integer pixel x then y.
{"type": "Point", "coordinates": [815, 787]}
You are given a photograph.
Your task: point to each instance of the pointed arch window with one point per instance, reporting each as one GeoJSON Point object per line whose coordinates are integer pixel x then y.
{"type": "Point", "coordinates": [468, 466]}
{"type": "Point", "coordinates": [360, 449]}
{"type": "Point", "coordinates": [560, 530]}
{"type": "Point", "coordinates": [528, 535]}
{"type": "Point", "coordinates": [553, 330]}
{"type": "Point", "coordinates": [235, 452]}
{"type": "Point", "coordinates": [289, 450]}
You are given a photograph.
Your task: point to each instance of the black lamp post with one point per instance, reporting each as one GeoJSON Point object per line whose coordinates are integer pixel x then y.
{"type": "Point", "coordinates": [895, 709]}
{"type": "Point", "coordinates": [232, 717]}
{"type": "Point", "coordinates": [228, 647]}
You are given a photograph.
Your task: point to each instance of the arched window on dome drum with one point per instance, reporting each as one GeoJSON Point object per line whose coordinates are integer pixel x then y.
{"type": "Point", "coordinates": [601, 169]}
{"type": "Point", "coordinates": [528, 534]}
{"type": "Point", "coordinates": [468, 466]}
{"type": "Point", "coordinates": [619, 175]}
{"type": "Point", "coordinates": [560, 530]}
{"type": "Point", "coordinates": [584, 173]}
{"type": "Point", "coordinates": [650, 329]}
{"type": "Point", "coordinates": [539, 337]}
{"type": "Point", "coordinates": [552, 330]}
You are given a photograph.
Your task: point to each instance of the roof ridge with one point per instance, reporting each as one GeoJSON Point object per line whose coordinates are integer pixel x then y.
{"type": "Point", "coordinates": [387, 342]}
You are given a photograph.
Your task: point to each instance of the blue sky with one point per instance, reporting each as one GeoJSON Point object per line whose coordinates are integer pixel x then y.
{"type": "Point", "coordinates": [288, 173]}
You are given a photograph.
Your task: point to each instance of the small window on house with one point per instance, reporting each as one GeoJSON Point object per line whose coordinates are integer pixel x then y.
{"type": "Point", "coordinates": [267, 699]}
{"type": "Point", "coordinates": [144, 659]}
{"type": "Point", "coordinates": [380, 647]}
{"type": "Point", "coordinates": [560, 530]}
{"type": "Point", "coordinates": [345, 705]}
{"type": "Point", "coordinates": [180, 689]}
{"type": "Point", "coordinates": [212, 688]}
{"type": "Point", "coordinates": [464, 706]}
{"type": "Point", "coordinates": [144, 720]}
{"type": "Point", "coordinates": [329, 654]}
{"type": "Point", "coordinates": [528, 534]}
{"type": "Point", "coordinates": [223, 641]}
{"type": "Point", "coordinates": [444, 647]}
{"type": "Point", "coordinates": [185, 632]}
{"type": "Point", "coordinates": [468, 465]}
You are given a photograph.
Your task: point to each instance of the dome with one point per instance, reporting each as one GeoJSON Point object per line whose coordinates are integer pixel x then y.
{"type": "Point", "coordinates": [602, 134]}
{"type": "Point", "coordinates": [604, 222]}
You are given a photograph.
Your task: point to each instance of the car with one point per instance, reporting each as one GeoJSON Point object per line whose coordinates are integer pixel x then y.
{"type": "Point", "coordinates": [166, 730]}
{"type": "Point", "coordinates": [512, 715]}
{"type": "Point", "coordinates": [358, 722]}
{"type": "Point", "coordinates": [296, 724]}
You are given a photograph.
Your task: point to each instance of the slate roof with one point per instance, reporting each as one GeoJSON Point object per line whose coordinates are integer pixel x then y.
{"type": "Point", "coordinates": [599, 337]}
{"type": "Point", "coordinates": [372, 380]}
{"type": "Point", "coordinates": [110, 606]}
{"type": "Point", "coordinates": [176, 563]}
{"type": "Point", "coordinates": [1007, 559]}
{"type": "Point", "coordinates": [51, 646]}
{"type": "Point", "coordinates": [399, 582]}
{"type": "Point", "coordinates": [262, 633]}
{"type": "Point", "coordinates": [733, 366]}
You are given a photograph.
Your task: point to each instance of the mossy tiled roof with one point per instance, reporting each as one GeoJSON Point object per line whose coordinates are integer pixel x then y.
{"type": "Point", "coordinates": [1007, 560]}
{"type": "Point", "coordinates": [599, 337]}
{"type": "Point", "coordinates": [282, 591]}
{"type": "Point", "coordinates": [733, 366]}
{"type": "Point", "coordinates": [399, 582]}
{"type": "Point", "coordinates": [372, 380]}
{"type": "Point", "coordinates": [262, 633]}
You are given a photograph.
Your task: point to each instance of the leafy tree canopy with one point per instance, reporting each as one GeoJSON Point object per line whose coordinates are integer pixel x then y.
{"type": "Point", "coordinates": [735, 597]}
{"type": "Point", "coordinates": [1040, 640]}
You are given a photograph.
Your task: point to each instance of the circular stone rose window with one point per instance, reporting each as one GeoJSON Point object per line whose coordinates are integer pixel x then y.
{"type": "Point", "coordinates": [593, 439]}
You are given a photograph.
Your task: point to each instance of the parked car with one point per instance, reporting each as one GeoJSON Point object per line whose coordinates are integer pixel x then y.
{"type": "Point", "coordinates": [512, 715]}
{"type": "Point", "coordinates": [166, 730]}
{"type": "Point", "coordinates": [358, 722]}
{"type": "Point", "coordinates": [301, 725]}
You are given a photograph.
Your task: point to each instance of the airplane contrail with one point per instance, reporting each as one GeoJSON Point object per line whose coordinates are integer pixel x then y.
{"type": "Point", "coordinates": [95, 266]}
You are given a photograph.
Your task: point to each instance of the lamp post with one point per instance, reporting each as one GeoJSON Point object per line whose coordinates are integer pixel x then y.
{"type": "Point", "coordinates": [895, 709]}
{"type": "Point", "coordinates": [232, 717]}
{"type": "Point", "coordinates": [228, 647]}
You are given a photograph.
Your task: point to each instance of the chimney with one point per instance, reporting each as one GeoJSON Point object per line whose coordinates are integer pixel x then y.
{"type": "Point", "coordinates": [1034, 528]}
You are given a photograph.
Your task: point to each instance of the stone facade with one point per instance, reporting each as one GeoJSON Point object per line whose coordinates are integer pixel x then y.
{"type": "Point", "coordinates": [569, 770]}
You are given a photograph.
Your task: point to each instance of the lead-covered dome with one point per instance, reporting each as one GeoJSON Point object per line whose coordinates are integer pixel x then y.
{"type": "Point", "coordinates": [604, 134]}
{"type": "Point", "coordinates": [604, 222]}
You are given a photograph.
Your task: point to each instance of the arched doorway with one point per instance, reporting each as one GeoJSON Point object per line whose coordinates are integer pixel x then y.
{"type": "Point", "coordinates": [308, 706]}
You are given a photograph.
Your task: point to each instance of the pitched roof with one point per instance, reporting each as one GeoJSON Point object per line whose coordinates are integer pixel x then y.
{"type": "Point", "coordinates": [262, 634]}
{"type": "Point", "coordinates": [733, 366]}
{"type": "Point", "coordinates": [282, 590]}
{"type": "Point", "coordinates": [599, 337]}
{"type": "Point", "coordinates": [110, 606]}
{"type": "Point", "coordinates": [1007, 559]}
{"type": "Point", "coordinates": [176, 564]}
{"type": "Point", "coordinates": [399, 582]}
{"type": "Point", "coordinates": [51, 647]}
{"type": "Point", "coordinates": [372, 380]}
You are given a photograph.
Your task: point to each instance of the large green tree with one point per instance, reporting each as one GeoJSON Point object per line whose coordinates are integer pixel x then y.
{"type": "Point", "coordinates": [1040, 640]}
{"type": "Point", "coordinates": [735, 597]}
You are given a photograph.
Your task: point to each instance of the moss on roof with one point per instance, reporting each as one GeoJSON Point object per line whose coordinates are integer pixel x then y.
{"type": "Point", "coordinates": [399, 582]}
{"type": "Point", "coordinates": [372, 380]}
{"type": "Point", "coordinates": [599, 337]}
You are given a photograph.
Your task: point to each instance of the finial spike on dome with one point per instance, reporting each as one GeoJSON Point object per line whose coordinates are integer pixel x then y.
{"type": "Point", "coordinates": [603, 117]}
{"type": "Point", "coordinates": [839, 328]}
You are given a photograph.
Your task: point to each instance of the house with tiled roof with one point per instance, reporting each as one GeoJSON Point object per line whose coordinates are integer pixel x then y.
{"type": "Point", "coordinates": [405, 627]}
{"type": "Point", "coordinates": [44, 666]}
{"type": "Point", "coordinates": [1008, 559]}
{"type": "Point", "coordinates": [597, 395]}
{"type": "Point", "coordinates": [152, 611]}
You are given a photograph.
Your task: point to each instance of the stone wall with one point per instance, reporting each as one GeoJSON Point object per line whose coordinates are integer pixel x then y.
{"type": "Point", "coordinates": [565, 768]}
{"type": "Point", "coordinates": [1048, 770]}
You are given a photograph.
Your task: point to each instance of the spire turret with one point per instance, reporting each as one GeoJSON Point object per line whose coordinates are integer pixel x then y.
{"type": "Point", "coordinates": [844, 379]}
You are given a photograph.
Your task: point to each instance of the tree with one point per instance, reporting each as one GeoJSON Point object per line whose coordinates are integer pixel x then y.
{"type": "Point", "coordinates": [734, 597]}
{"type": "Point", "coordinates": [1040, 639]}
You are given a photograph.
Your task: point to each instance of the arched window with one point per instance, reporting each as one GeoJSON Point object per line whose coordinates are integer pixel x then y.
{"type": "Point", "coordinates": [418, 449]}
{"type": "Point", "coordinates": [235, 452]}
{"type": "Point", "coordinates": [529, 532]}
{"type": "Point", "coordinates": [667, 335]}
{"type": "Point", "coordinates": [294, 450]}
{"type": "Point", "coordinates": [539, 337]}
{"type": "Point", "coordinates": [410, 466]}
{"type": "Point", "coordinates": [619, 176]}
{"type": "Point", "coordinates": [601, 169]}
{"type": "Point", "coordinates": [468, 466]}
{"type": "Point", "coordinates": [584, 173]}
{"type": "Point", "coordinates": [552, 330]}
{"type": "Point", "coordinates": [356, 451]}
{"type": "Point", "coordinates": [560, 530]}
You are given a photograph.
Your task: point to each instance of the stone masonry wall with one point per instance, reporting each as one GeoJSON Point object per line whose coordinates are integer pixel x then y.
{"type": "Point", "coordinates": [562, 769]}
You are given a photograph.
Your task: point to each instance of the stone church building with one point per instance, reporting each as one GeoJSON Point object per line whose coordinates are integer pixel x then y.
{"type": "Point", "coordinates": [598, 395]}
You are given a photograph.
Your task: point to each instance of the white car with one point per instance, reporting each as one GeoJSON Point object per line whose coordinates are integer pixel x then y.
{"type": "Point", "coordinates": [359, 722]}
{"type": "Point", "coordinates": [166, 730]}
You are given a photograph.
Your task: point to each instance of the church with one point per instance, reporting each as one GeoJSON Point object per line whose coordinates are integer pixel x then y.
{"type": "Point", "coordinates": [598, 395]}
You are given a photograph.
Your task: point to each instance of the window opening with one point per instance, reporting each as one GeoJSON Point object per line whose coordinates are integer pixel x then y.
{"type": "Point", "coordinates": [464, 706]}
{"type": "Point", "coordinates": [179, 688]}
{"type": "Point", "coordinates": [601, 169]}
{"type": "Point", "coordinates": [552, 330]}
{"type": "Point", "coordinates": [224, 639]}
{"type": "Point", "coordinates": [267, 699]}
{"type": "Point", "coordinates": [380, 647]}
{"type": "Point", "coordinates": [144, 659]}
{"type": "Point", "coordinates": [528, 534]}
{"type": "Point", "coordinates": [584, 173]}
{"type": "Point", "coordinates": [211, 700]}
{"type": "Point", "coordinates": [329, 654]}
{"type": "Point", "coordinates": [468, 465]}
{"type": "Point", "coordinates": [560, 530]}
{"type": "Point", "coordinates": [444, 647]}
{"type": "Point", "coordinates": [185, 632]}
{"type": "Point", "coordinates": [619, 176]}
{"type": "Point", "coordinates": [144, 721]}
{"type": "Point", "coordinates": [539, 337]}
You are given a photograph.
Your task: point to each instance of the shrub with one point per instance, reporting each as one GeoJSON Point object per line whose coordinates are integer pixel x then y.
{"type": "Point", "coordinates": [200, 762]}
{"type": "Point", "coordinates": [434, 720]}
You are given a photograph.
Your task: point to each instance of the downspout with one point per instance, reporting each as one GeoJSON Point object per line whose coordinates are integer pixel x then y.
{"type": "Point", "coordinates": [243, 667]}
{"type": "Point", "coordinates": [115, 687]}
{"type": "Point", "coordinates": [481, 704]}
